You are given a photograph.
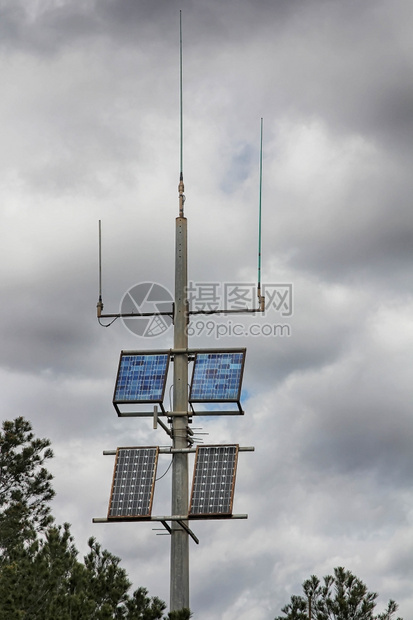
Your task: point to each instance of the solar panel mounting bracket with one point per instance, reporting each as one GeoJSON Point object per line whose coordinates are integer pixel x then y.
{"type": "Point", "coordinates": [166, 450]}
{"type": "Point", "coordinates": [157, 421]}
{"type": "Point", "coordinates": [188, 530]}
{"type": "Point", "coordinates": [184, 527]}
{"type": "Point", "coordinates": [137, 315]}
{"type": "Point", "coordinates": [164, 518]}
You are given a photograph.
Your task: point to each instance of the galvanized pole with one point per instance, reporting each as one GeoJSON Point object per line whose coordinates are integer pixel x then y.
{"type": "Point", "coordinates": [179, 592]}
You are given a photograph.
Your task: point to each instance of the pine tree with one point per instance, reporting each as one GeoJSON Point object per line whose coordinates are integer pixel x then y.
{"type": "Point", "coordinates": [25, 485]}
{"type": "Point", "coordinates": [41, 577]}
{"type": "Point", "coordinates": [340, 597]}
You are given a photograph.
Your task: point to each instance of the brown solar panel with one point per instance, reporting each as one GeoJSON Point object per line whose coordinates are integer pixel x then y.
{"type": "Point", "coordinates": [133, 483]}
{"type": "Point", "coordinates": [214, 481]}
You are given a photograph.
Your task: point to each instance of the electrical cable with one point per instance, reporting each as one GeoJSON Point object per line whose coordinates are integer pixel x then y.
{"type": "Point", "coordinates": [109, 324]}
{"type": "Point", "coordinates": [164, 474]}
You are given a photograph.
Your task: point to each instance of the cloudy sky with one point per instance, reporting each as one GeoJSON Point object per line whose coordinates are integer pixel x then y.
{"type": "Point", "coordinates": [89, 118]}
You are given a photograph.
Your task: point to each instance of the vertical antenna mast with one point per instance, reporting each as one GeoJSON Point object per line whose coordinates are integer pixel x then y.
{"type": "Point", "coordinates": [261, 298]}
{"type": "Point", "coordinates": [181, 166]}
{"type": "Point", "coordinates": [100, 302]}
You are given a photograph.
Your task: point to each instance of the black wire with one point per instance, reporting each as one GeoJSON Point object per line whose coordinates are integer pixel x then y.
{"type": "Point", "coordinates": [109, 324]}
{"type": "Point", "coordinates": [160, 477]}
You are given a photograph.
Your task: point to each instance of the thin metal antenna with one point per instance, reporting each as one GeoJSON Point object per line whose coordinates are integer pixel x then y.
{"type": "Point", "coordinates": [100, 302]}
{"type": "Point", "coordinates": [261, 298]}
{"type": "Point", "coordinates": [181, 165]}
{"type": "Point", "coordinates": [181, 168]}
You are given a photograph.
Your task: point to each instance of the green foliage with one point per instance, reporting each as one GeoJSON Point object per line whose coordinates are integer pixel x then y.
{"type": "Point", "coordinates": [25, 484]}
{"type": "Point", "coordinates": [141, 607]}
{"type": "Point", "coordinates": [340, 597]}
{"type": "Point", "coordinates": [34, 584]}
{"type": "Point", "coordinates": [45, 581]}
{"type": "Point", "coordinates": [41, 577]}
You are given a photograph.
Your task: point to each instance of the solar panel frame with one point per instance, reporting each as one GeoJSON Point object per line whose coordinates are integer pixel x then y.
{"type": "Point", "coordinates": [141, 378]}
{"type": "Point", "coordinates": [212, 494]}
{"type": "Point", "coordinates": [131, 495]}
{"type": "Point", "coordinates": [217, 377]}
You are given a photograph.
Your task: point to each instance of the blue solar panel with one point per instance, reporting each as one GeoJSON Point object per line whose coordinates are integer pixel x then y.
{"type": "Point", "coordinates": [141, 377]}
{"type": "Point", "coordinates": [217, 377]}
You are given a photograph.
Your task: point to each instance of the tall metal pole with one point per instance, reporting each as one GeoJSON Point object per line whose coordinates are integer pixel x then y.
{"type": "Point", "coordinates": [179, 591]}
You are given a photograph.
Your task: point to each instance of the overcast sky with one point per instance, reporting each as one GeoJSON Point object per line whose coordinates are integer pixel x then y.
{"type": "Point", "coordinates": [89, 118]}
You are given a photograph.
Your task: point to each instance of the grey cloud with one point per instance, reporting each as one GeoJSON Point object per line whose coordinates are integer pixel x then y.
{"type": "Point", "coordinates": [91, 131]}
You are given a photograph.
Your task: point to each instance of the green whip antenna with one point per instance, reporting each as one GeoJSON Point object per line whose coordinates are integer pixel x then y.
{"type": "Point", "coordinates": [181, 175]}
{"type": "Point", "coordinates": [261, 298]}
